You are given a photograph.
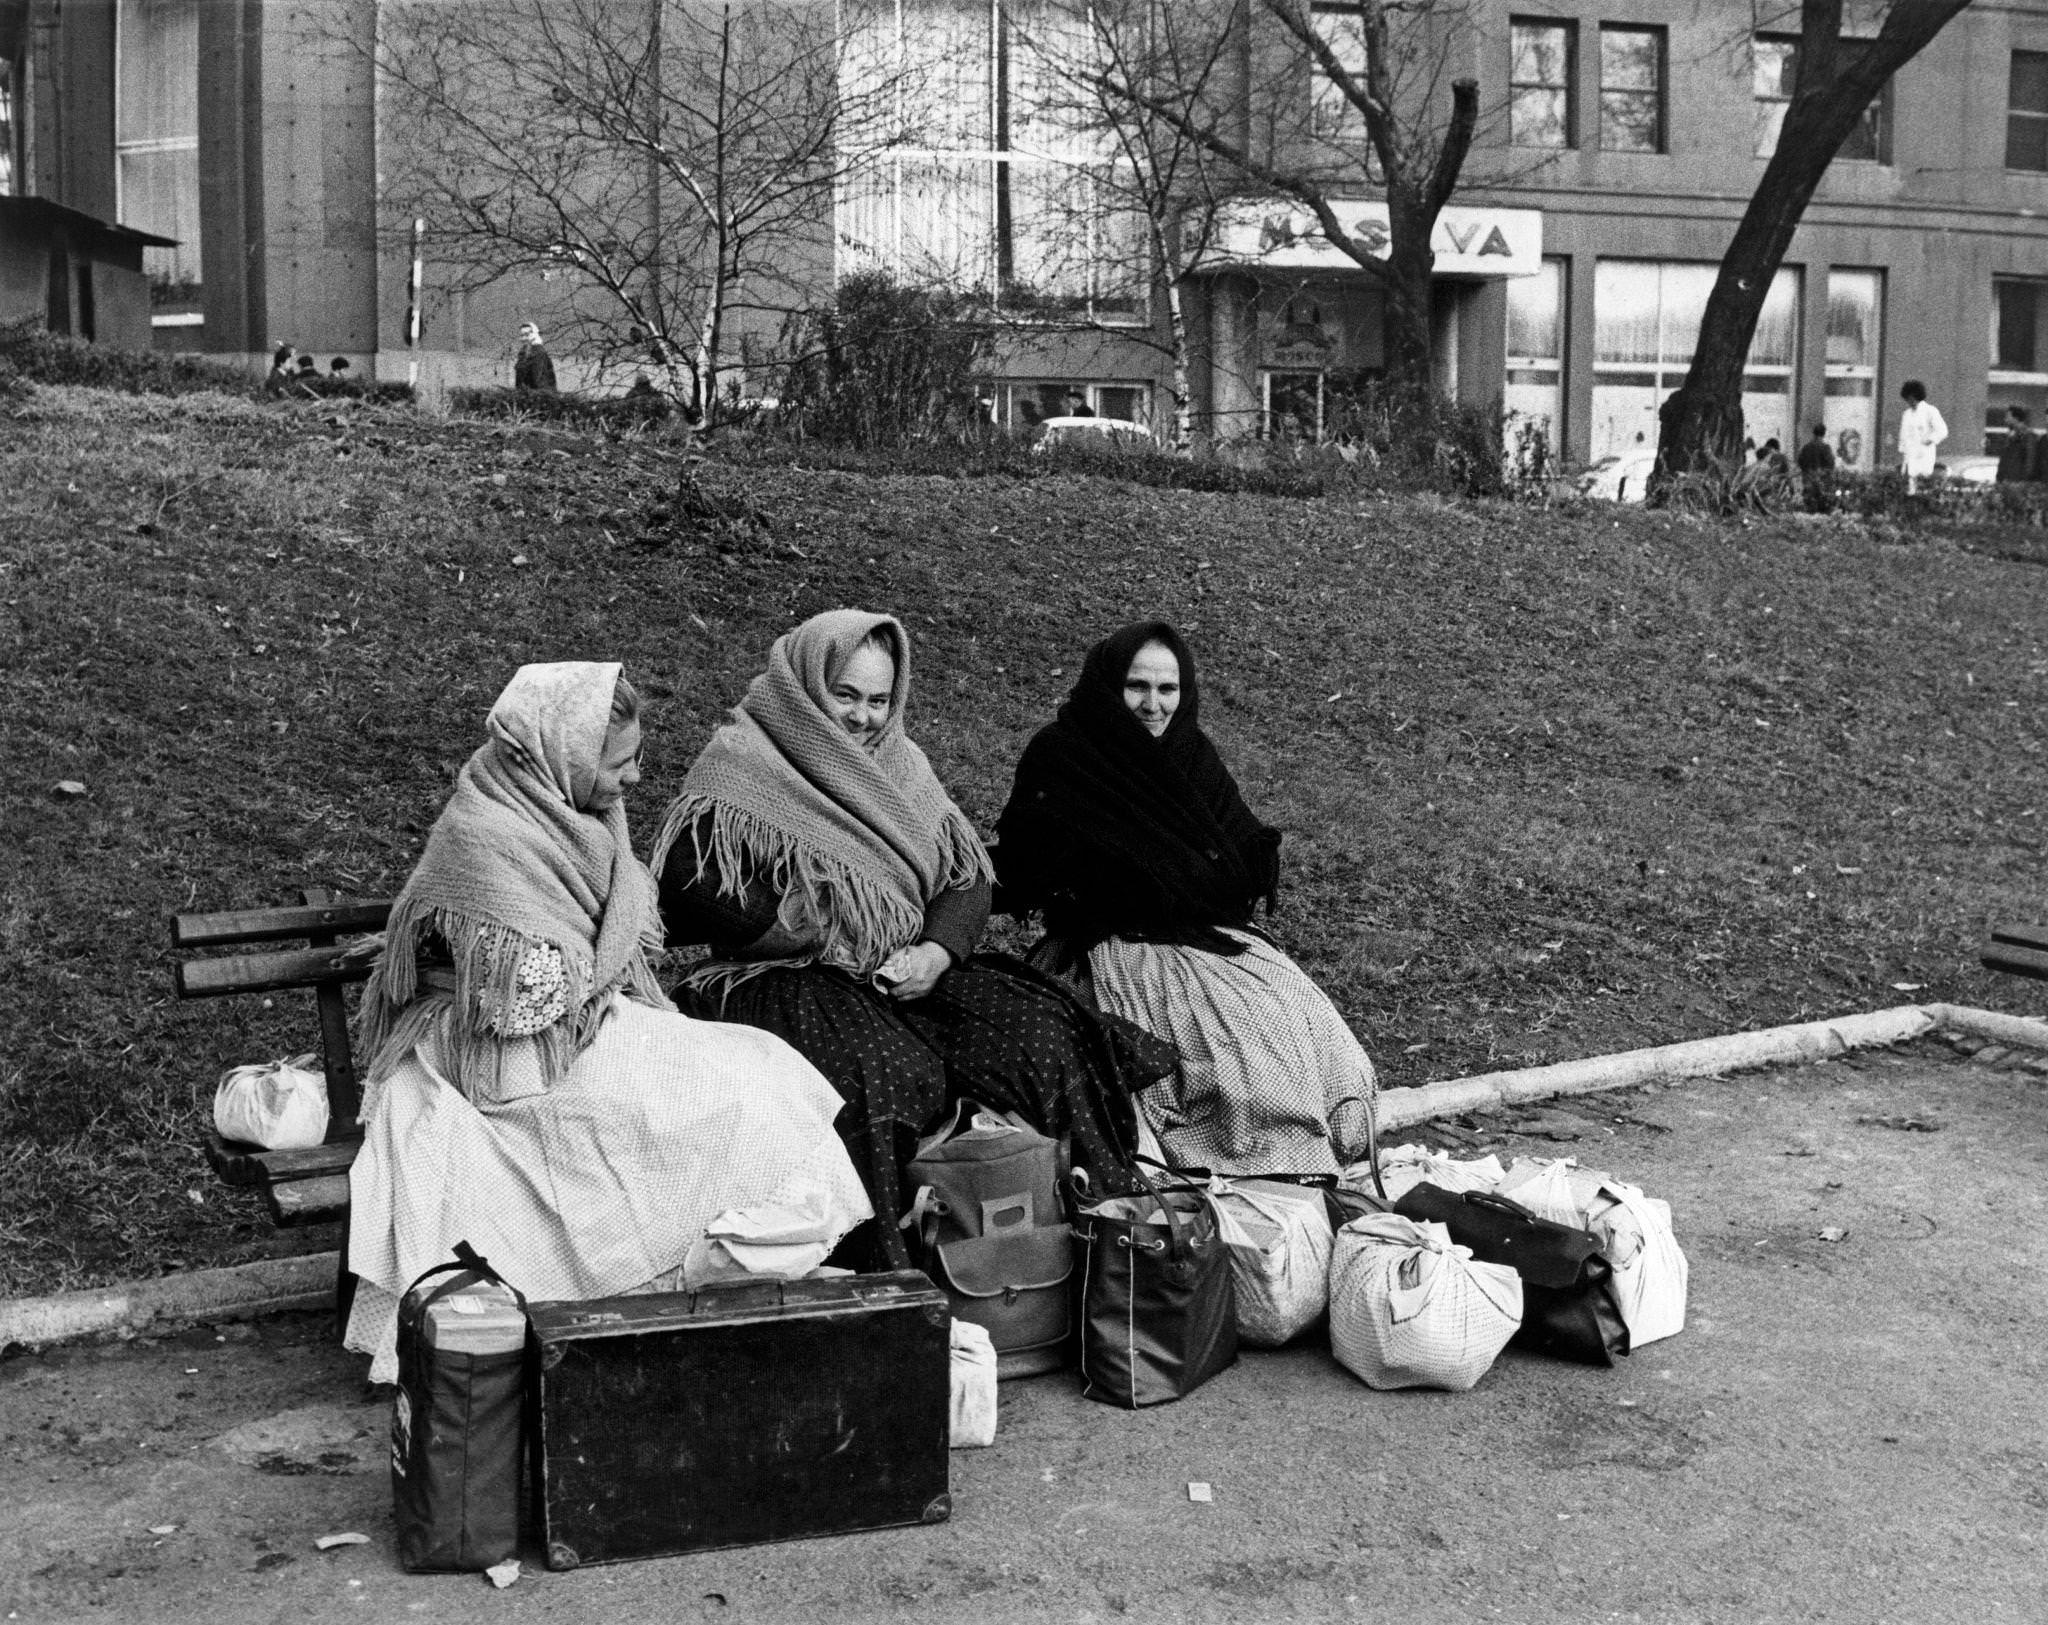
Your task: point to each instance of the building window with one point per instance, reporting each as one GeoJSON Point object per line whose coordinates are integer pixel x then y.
{"type": "Point", "coordinates": [10, 122]}
{"type": "Point", "coordinates": [1535, 373]}
{"type": "Point", "coordinates": [1849, 399]}
{"type": "Point", "coordinates": [2019, 348]}
{"type": "Point", "coordinates": [156, 138]}
{"type": "Point", "coordinates": [1646, 322]}
{"type": "Point", "coordinates": [1774, 60]}
{"type": "Point", "coordinates": [1001, 187]}
{"type": "Point", "coordinates": [1632, 89]}
{"type": "Point", "coordinates": [1542, 58]}
{"type": "Point", "coordinates": [1029, 403]}
{"type": "Point", "coordinates": [2026, 112]}
{"type": "Point", "coordinates": [1332, 117]}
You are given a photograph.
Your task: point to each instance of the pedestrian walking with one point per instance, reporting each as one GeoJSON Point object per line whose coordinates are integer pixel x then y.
{"type": "Point", "coordinates": [533, 367]}
{"type": "Point", "coordinates": [2021, 458]}
{"type": "Point", "coordinates": [1817, 471]}
{"type": "Point", "coordinates": [1922, 428]}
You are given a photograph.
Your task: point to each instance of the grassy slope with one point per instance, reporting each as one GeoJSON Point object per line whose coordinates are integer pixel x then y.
{"type": "Point", "coordinates": [1553, 783]}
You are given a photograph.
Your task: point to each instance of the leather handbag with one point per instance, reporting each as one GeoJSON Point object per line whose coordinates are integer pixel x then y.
{"type": "Point", "coordinates": [1158, 1304]}
{"type": "Point", "coordinates": [1568, 1304]}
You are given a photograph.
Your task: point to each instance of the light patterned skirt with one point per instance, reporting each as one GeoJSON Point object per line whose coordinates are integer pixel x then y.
{"type": "Point", "coordinates": [1271, 1078]}
{"type": "Point", "coordinates": [599, 1185]}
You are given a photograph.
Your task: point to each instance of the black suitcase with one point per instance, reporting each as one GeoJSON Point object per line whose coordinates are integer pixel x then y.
{"type": "Point", "coordinates": [679, 1422]}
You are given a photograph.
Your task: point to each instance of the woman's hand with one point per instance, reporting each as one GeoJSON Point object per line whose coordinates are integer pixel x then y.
{"type": "Point", "coordinates": [915, 971]}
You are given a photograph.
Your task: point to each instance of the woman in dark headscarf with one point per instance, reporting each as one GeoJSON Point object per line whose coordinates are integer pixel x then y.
{"type": "Point", "coordinates": [1128, 834]}
{"type": "Point", "coordinates": [843, 893]}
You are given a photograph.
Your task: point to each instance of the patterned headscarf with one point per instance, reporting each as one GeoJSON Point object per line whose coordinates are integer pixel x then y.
{"type": "Point", "coordinates": [856, 840]}
{"type": "Point", "coordinates": [515, 859]}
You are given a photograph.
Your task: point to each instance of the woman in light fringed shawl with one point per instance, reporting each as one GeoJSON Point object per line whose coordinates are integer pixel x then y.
{"type": "Point", "coordinates": [1128, 834]}
{"type": "Point", "coordinates": [843, 894]}
{"type": "Point", "coordinates": [532, 1091]}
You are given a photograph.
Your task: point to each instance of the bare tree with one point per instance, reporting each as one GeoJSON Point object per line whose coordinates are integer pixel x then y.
{"type": "Point", "coordinates": [1836, 80]}
{"type": "Point", "coordinates": [1413, 149]}
{"type": "Point", "coordinates": [676, 158]}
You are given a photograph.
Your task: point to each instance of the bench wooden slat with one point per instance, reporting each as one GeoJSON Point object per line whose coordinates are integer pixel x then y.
{"type": "Point", "coordinates": [276, 970]}
{"type": "Point", "coordinates": [2017, 961]}
{"type": "Point", "coordinates": [2021, 936]}
{"type": "Point", "coordinates": [309, 1201]}
{"type": "Point", "coordinates": [238, 1164]}
{"type": "Point", "coordinates": [232, 927]}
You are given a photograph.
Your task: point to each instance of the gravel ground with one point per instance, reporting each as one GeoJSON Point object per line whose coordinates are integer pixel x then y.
{"type": "Point", "coordinates": [1847, 1430]}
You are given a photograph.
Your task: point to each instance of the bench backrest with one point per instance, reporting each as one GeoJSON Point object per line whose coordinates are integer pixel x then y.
{"type": "Point", "coordinates": [318, 966]}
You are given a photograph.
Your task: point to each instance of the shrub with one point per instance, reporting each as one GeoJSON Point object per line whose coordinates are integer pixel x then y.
{"type": "Point", "coordinates": [56, 358]}
{"type": "Point", "coordinates": [884, 366]}
{"type": "Point", "coordinates": [611, 412]}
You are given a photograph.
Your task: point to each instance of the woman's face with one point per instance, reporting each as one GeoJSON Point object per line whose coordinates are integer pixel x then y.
{"type": "Point", "coordinates": [1152, 687]}
{"type": "Point", "coordinates": [618, 769]}
{"type": "Point", "coordinates": [859, 700]}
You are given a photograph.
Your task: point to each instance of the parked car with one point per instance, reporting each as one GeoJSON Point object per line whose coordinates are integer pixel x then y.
{"type": "Point", "coordinates": [1101, 433]}
{"type": "Point", "coordinates": [1620, 476]}
{"type": "Point", "coordinates": [1978, 470]}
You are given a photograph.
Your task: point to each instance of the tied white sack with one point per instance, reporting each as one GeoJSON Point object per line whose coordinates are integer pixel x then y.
{"type": "Point", "coordinates": [778, 1241]}
{"type": "Point", "coordinates": [973, 1422]}
{"type": "Point", "coordinates": [1405, 1166]}
{"type": "Point", "coordinates": [1410, 1309]}
{"type": "Point", "coordinates": [1635, 1232]}
{"type": "Point", "coordinates": [1280, 1242]}
{"type": "Point", "coordinates": [278, 1105]}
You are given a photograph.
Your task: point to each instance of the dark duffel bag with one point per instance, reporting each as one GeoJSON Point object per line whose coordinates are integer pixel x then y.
{"type": "Point", "coordinates": [1568, 1306]}
{"type": "Point", "coordinates": [457, 1434]}
{"type": "Point", "coordinates": [1158, 1303]}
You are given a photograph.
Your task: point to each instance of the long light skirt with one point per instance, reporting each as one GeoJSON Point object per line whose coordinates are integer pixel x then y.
{"type": "Point", "coordinates": [600, 1184]}
{"type": "Point", "coordinates": [1271, 1078]}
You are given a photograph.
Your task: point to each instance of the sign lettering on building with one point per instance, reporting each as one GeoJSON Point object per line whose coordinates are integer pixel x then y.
{"type": "Point", "coordinates": [1467, 242]}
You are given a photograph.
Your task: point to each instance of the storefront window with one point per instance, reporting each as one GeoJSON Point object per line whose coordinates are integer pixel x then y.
{"type": "Point", "coordinates": [1029, 403]}
{"type": "Point", "coordinates": [2019, 349]}
{"type": "Point", "coordinates": [1534, 395]}
{"type": "Point", "coordinates": [1293, 405]}
{"type": "Point", "coordinates": [1646, 324]}
{"type": "Point", "coordinates": [1849, 401]}
{"type": "Point", "coordinates": [1002, 186]}
{"type": "Point", "coordinates": [156, 139]}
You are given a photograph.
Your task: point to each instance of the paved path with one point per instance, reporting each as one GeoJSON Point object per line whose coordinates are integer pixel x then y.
{"type": "Point", "coordinates": [1847, 1431]}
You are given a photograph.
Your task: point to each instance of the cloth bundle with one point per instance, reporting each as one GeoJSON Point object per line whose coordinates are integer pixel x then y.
{"type": "Point", "coordinates": [278, 1105]}
{"type": "Point", "coordinates": [778, 1240]}
{"type": "Point", "coordinates": [1651, 1276]}
{"type": "Point", "coordinates": [1408, 1309]}
{"type": "Point", "coordinates": [973, 1404]}
{"type": "Point", "coordinates": [1280, 1242]}
{"type": "Point", "coordinates": [1403, 1167]}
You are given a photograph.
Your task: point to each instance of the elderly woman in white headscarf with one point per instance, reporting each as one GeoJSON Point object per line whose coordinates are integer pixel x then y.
{"type": "Point", "coordinates": [532, 1091]}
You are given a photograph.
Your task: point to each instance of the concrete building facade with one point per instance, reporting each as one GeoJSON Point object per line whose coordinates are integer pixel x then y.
{"type": "Point", "coordinates": [1617, 147]}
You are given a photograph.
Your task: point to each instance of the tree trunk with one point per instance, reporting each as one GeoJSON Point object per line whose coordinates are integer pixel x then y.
{"type": "Point", "coordinates": [1183, 403]}
{"type": "Point", "coordinates": [1701, 424]}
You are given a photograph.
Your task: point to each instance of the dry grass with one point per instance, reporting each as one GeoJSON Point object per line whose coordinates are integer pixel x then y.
{"type": "Point", "coordinates": [1554, 782]}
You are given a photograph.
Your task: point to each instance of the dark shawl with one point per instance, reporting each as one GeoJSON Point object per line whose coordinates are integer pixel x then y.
{"type": "Point", "coordinates": [1111, 832]}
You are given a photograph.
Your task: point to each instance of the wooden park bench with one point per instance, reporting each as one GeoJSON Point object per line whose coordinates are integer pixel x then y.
{"type": "Point", "coordinates": [2018, 950]}
{"type": "Point", "coordinates": [293, 948]}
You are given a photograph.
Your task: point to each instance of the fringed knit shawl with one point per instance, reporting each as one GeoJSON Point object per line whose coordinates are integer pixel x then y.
{"type": "Point", "coordinates": [854, 840]}
{"type": "Point", "coordinates": [513, 861]}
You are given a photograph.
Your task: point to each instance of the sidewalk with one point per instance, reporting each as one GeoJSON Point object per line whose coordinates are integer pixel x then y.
{"type": "Point", "coordinates": [1848, 1430]}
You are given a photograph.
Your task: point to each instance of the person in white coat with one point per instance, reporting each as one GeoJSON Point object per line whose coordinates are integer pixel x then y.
{"type": "Point", "coordinates": [1921, 429]}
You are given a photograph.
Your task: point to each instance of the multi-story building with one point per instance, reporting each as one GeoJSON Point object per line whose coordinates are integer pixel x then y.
{"type": "Point", "coordinates": [1617, 147]}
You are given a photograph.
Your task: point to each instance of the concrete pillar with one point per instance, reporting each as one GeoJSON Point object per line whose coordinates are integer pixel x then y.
{"type": "Point", "coordinates": [1234, 403]}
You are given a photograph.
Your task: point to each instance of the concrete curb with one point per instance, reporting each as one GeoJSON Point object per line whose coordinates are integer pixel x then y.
{"type": "Point", "coordinates": [246, 1290]}
{"type": "Point", "coordinates": [239, 1292]}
